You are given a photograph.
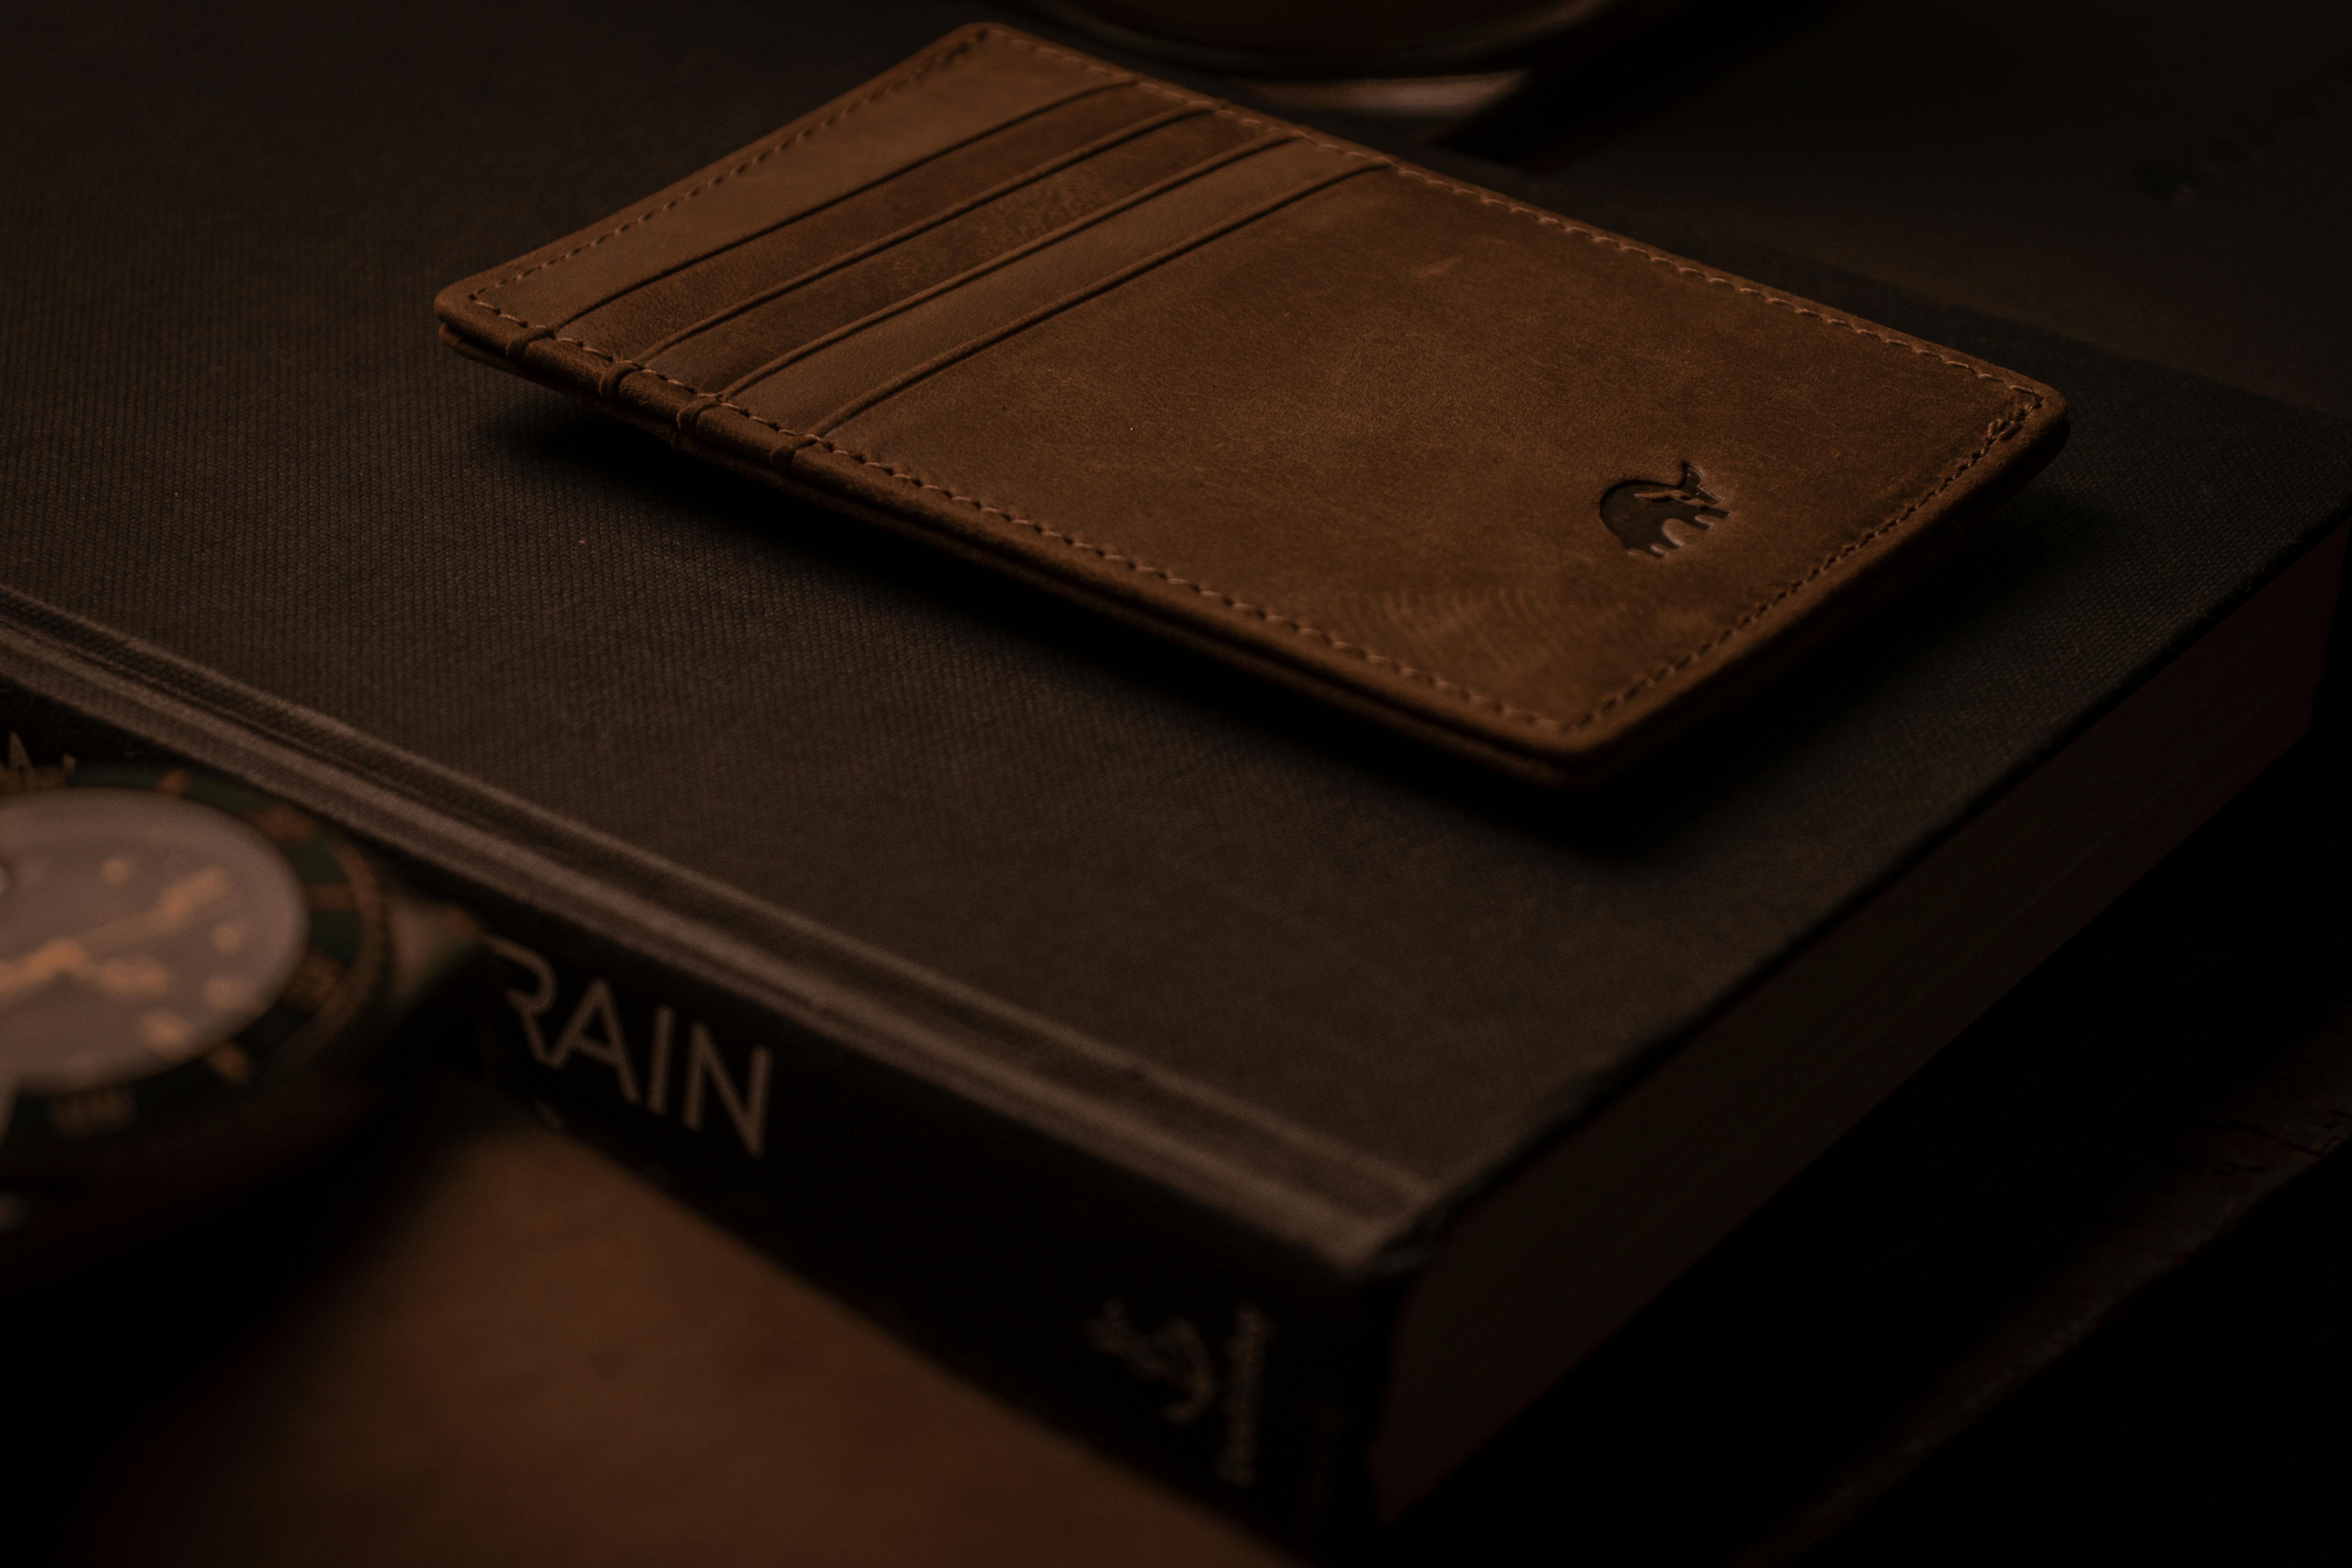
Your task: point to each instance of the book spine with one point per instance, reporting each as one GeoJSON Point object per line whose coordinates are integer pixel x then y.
{"type": "Point", "coordinates": [1204, 1352]}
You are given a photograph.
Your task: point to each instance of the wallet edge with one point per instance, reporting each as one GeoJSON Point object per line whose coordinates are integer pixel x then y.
{"type": "Point", "coordinates": [1761, 640]}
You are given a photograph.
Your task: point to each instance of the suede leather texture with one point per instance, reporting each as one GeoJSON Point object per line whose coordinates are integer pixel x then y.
{"type": "Point", "coordinates": [1524, 488]}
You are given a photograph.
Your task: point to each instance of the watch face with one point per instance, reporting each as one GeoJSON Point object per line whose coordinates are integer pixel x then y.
{"type": "Point", "coordinates": [170, 948]}
{"type": "Point", "coordinates": [137, 931]}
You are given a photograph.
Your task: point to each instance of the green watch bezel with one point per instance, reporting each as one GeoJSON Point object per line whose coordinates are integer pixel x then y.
{"type": "Point", "coordinates": [342, 968]}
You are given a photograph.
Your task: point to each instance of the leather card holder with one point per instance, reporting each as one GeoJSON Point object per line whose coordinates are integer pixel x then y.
{"type": "Point", "coordinates": [1521, 488]}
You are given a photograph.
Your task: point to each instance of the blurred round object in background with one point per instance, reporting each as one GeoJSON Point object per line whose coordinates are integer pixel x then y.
{"type": "Point", "coordinates": [1418, 59]}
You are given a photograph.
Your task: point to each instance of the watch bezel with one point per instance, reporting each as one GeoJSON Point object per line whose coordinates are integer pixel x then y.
{"type": "Point", "coordinates": [343, 966]}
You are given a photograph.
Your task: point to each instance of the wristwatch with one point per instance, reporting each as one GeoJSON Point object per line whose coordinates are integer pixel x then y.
{"type": "Point", "coordinates": [198, 983]}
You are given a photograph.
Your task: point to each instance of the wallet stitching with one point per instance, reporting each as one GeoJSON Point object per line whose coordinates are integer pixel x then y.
{"type": "Point", "coordinates": [660, 274]}
{"type": "Point", "coordinates": [1996, 431]}
{"type": "Point", "coordinates": [956, 353]}
{"type": "Point", "coordinates": [927, 70]}
{"type": "Point", "coordinates": [1110, 141]}
{"type": "Point", "coordinates": [1706, 274]}
{"type": "Point", "coordinates": [1199, 169]}
{"type": "Point", "coordinates": [1552, 220]}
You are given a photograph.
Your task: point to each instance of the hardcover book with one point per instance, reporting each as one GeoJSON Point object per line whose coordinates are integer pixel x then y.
{"type": "Point", "coordinates": [1273, 1100]}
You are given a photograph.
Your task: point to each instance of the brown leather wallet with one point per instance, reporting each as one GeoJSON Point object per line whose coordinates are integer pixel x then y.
{"type": "Point", "coordinates": [1532, 491]}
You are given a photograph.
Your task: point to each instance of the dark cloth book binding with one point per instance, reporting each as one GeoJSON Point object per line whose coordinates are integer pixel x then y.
{"type": "Point", "coordinates": [1263, 1095]}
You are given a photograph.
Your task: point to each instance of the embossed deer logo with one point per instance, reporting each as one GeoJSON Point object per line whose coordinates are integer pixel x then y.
{"type": "Point", "coordinates": [1638, 510]}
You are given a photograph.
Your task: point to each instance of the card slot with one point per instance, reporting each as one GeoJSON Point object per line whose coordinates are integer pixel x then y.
{"type": "Point", "coordinates": [702, 291]}
{"type": "Point", "coordinates": [1078, 296]}
{"type": "Point", "coordinates": [869, 141]}
{"type": "Point", "coordinates": [760, 336]}
{"type": "Point", "coordinates": [831, 378]}
{"type": "Point", "coordinates": [1030, 176]}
